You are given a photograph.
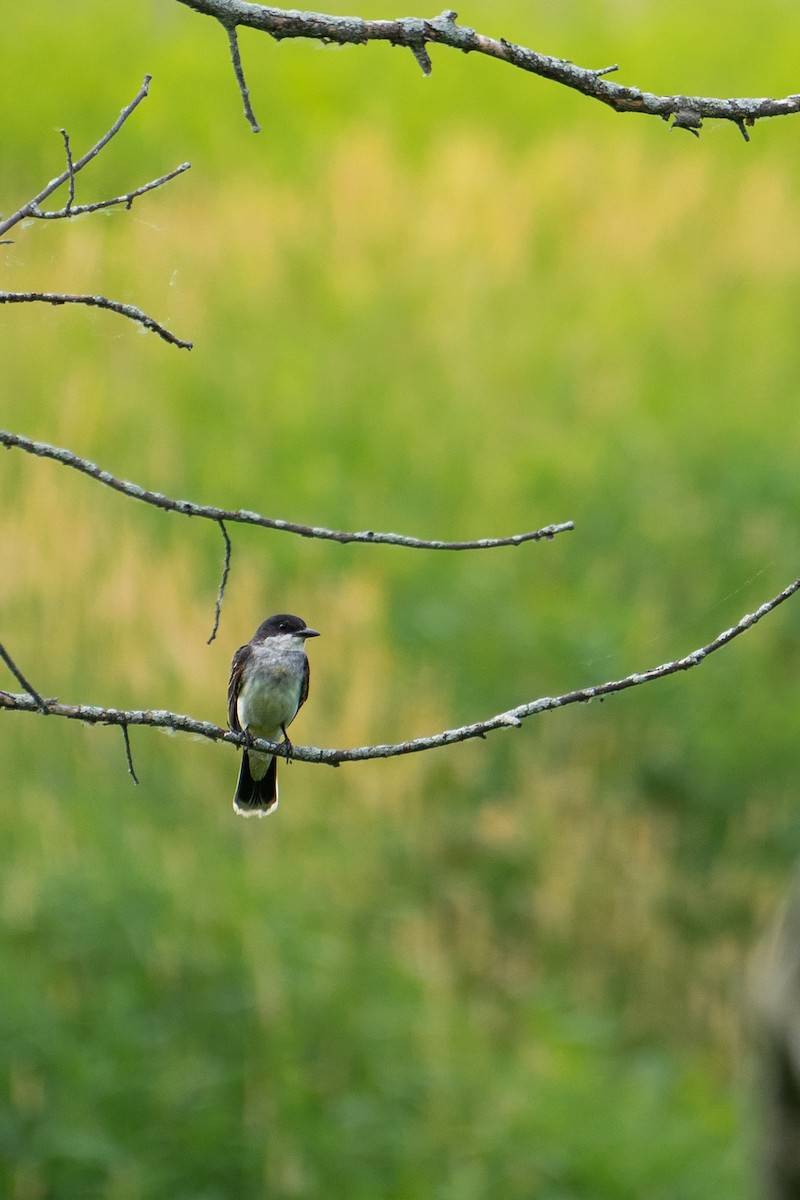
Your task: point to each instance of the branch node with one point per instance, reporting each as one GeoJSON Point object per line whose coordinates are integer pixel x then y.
{"type": "Point", "coordinates": [689, 119]}
{"type": "Point", "coordinates": [511, 719]}
{"type": "Point", "coordinates": [423, 58]}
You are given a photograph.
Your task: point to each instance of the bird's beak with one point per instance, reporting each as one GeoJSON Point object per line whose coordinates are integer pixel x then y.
{"type": "Point", "coordinates": [307, 633]}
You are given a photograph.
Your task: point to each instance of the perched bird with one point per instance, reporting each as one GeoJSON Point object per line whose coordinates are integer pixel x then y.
{"type": "Point", "coordinates": [268, 684]}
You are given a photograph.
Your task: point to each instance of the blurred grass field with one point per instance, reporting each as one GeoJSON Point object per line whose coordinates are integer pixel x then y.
{"type": "Point", "coordinates": [456, 307]}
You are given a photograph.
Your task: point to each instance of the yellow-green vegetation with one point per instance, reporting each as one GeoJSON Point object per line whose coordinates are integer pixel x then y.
{"type": "Point", "coordinates": [456, 307]}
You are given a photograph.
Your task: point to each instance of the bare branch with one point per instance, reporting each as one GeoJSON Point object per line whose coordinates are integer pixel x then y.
{"type": "Point", "coordinates": [242, 517]}
{"type": "Point", "coordinates": [513, 718]}
{"type": "Point", "coordinates": [76, 210]}
{"type": "Point", "coordinates": [125, 310]}
{"type": "Point", "coordinates": [73, 168]}
{"type": "Point", "coordinates": [33, 210]}
{"type": "Point", "coordinates": [415, 32]}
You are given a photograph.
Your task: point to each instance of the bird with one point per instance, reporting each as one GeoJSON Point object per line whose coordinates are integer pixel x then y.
{"type": "Point", "coordinates": [267, 687]}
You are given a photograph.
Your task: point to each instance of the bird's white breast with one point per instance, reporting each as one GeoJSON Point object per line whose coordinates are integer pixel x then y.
{"type": "Point", "coordinates": [269, 695]}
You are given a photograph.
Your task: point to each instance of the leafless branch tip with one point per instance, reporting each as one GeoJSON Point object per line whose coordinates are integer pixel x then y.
{"type": "Point", "coordinates": [125, 310]}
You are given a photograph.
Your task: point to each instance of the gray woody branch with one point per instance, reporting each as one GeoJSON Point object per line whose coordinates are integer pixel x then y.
{"type": "Point", "coordinates": [241, 516]}
{"type": "Point", "coordinates": [513, 718]}
{"type": "Point", "coordinates": [32, 210]}
{"type": "Point", "coordinates": [125, 310]}
{"type": "Point", "coordinates": [416, 34]}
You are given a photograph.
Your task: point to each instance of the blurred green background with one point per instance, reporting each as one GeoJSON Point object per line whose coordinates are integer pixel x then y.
{"type": "Point", "coordinates": [455, 307]}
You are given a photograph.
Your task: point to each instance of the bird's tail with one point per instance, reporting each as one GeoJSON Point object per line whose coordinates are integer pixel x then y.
{"type": "Point", "coordinates": [256, 797]}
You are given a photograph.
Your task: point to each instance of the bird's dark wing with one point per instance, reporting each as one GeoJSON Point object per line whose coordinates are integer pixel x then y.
{"type": "Point", "coordinates": [304, 686]}
{"type": "Point", "coordinates": [237, 667]}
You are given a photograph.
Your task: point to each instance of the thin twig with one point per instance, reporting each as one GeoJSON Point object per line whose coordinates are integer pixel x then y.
{"type": "Point", "coordinates": [71, 169]}
{"type": "Point", "coordinates": [125, 310]}
{"type": "Point", "coordinates": [127, 199]}
{"type": "Point", "coordinates": [225, 572]}
{"type": "Point", "coordinates": [243, 517]}
{"type": "Point", "coordinates": [513, 718]}
{"type": "Point", "coordinates": [238, 71]}
{"type": "Point", "coordinates": [20, 678]}
{"type": "Point", "coordinates": [415, 32]}
{"type": "Point", "coordinates": [128, 755]}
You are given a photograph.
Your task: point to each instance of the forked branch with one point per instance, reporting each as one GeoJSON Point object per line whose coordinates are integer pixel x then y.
{"type": "Point", "coordinates": [417, 33]}
{"type": "Point", "coordinates": [188, 508]}
{"type": "Point", "coordinates": [32, 210]}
